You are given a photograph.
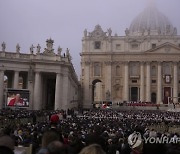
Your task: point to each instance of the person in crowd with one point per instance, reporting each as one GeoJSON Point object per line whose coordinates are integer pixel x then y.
{"type": "Point", "coordinates": [8, 142]}
{"type": "Point", "coordinates": [56, 147]}
{"type": "Point", "coordinates": [92, 149]}
{"type": "Point", "coordinates": [96, 137]}
{"type": "Point", "coordinates": [54, 120]}
{"type": "Point", "coordinates": [48, 137]}
{"type": "Point", "coordinates": [16, 101]}
{"type": "Point", "coordinates": [5, 150]}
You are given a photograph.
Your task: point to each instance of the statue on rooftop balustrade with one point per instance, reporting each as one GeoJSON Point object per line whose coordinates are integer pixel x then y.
{"type": "Point", "coordinates": [18, 48]}
{"type": "Point", "coordinates": [49, 47]}
{"type": "Point", "coordinates": [109, 31]}
{"type": "Point", "coordinates": [32, 49]}
{"type": "Point", "coordinates": [85, 33]}
{"type": "Point", "coordinates": [3, 45]}
{"type": "Point", "coordinates": [59, 50]}
{"type": "Point", "coordinates": [38, 48]}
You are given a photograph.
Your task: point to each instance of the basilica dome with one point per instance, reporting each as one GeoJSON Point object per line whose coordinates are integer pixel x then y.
{"type": "Point", "coordinates": [151, 22]}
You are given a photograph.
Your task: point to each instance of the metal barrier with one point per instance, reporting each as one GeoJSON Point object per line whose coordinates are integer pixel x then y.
{"type": "Point", "coordinates": [12, 122]}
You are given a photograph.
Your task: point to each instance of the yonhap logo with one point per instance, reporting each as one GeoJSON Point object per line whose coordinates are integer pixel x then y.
{"type": "Point", "coordinates": [136, 139]}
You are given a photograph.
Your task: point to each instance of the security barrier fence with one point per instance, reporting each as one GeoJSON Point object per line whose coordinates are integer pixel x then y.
{"type": "Point", "coordinates": [12, 122]}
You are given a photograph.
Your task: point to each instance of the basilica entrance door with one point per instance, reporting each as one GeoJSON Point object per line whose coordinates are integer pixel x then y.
{"type": "Point", "coordinates": [153, 97]}
{"type": "Point", "coordinates": [134, 93]}
{"type": "Point", "coordinates": [96, 91]}
{"type": "Point", "coordinates": [167, 93]}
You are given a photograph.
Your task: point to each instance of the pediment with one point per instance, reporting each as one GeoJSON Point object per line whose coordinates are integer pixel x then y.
{"type": "Point", "coordinates": [165, 48]}
{"type": "Point", "coordinates": [98, 32]}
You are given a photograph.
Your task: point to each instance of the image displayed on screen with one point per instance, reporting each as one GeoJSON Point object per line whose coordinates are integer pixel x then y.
{"type": "Point", "coordinates": [18, 98]}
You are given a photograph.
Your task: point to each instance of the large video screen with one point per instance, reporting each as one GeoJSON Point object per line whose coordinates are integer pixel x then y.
{"type": "Point", "coordinates": [18, 98]}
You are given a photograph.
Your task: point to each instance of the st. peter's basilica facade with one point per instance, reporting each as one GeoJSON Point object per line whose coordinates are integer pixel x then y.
{"type": "Point", "coordinates": [143, 65]}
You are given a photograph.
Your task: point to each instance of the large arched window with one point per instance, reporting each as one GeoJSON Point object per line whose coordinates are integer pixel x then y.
{"type": "Point", "coordinates": [153, 70]}
{"type": "Point", "coordinates": [97, 69]}
{"type": "Point", "coordinates": [167, 68]}
{"type": "Point", "coordinates": [118, 71]}
{"type": "Point", "coordinates": [134, 69]}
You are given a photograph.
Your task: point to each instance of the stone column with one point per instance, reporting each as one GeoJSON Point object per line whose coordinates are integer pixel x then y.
{"type": "Point", "coordinates": [58, 92]}
{"type": "Point", "coordinates": [148, 82]}
{"type": "Point", "coordinates": [175, 83]}
{"type": "Point", "coordinates": [65, 91]}
{"type": "Point", "coordinates": [87, 93]}
{"type": "Point", "coordinates": [90, 95]}
{"type": "Point", "coordinates": [31, 94]}
{"type": "Point", "coordinates": [126, 81]}
{"type": "Point", "coordinates": [31, 86]}
{"type": "Point", "coordinates": [16, 80]}
{"type": "Point", "coordinates": [1, 88]}
{"type": "Point", "coordinates": [159, 84]}
{"type": "Point", "coordinates": [37, 92]}
{"type": "Point", "coordinates": [108, 79]}
{"type": "Point", "coordinates": [142, 82]}
{"type": "Point", "coordinates": [103, 92]}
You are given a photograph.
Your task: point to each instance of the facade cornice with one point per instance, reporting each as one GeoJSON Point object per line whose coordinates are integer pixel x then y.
{"type": "Point", "coordinates": [37, 61]}
{"type": "Point", "coordinates": [137, 38]}
{"type": "Point", "coordinates": [141, 58]}
{"type": "Point", "coordinates": [126, 53]}
{"type": "Point", "coordinates": [108, 63]}
{"type": "Point", "coordinates": [26, 56]}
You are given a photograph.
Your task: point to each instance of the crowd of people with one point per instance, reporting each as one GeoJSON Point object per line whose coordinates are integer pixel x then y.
{"type": "Point", "coordinates": [139, 103]}
{"type": "Point", "coordinates": [88, 131]}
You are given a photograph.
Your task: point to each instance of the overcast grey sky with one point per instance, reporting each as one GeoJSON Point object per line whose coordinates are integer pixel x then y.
{"type": "Point", "coordinates": [33, 21]}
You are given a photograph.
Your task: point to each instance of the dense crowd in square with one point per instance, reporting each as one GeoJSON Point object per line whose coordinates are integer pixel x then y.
{"type": "Point", "coordinates": [74, 132]}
